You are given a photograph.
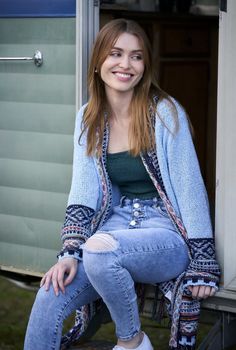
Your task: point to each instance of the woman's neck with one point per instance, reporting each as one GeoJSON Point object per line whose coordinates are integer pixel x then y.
{"type": "Point", "coordinates": [119, 104]}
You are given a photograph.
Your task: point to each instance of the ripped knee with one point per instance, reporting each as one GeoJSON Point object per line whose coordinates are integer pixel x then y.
{"type": "Point", "coordinates": [101, 242]}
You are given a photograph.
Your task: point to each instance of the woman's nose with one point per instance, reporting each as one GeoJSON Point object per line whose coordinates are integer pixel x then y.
{"type": "Point", "coordinates": [125, 62]}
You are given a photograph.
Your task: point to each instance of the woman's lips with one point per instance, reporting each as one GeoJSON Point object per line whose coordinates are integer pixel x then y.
{"type": "Point", "coordinates": [123, 76]}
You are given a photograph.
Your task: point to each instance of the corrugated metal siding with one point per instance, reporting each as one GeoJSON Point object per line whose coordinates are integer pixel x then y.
{"type": "Point", "coordinates": [37, 112]}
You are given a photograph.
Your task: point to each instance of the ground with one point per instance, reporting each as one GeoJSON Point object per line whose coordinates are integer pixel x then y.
{"type": "Point", "coordinates": [15, 308]}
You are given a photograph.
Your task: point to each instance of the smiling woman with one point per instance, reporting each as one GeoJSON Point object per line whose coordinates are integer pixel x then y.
{"type": "Point", "coordinates": [136, 55]}
{"type": "Point", "coordinates": [121, 72]}
{"type": "Point", "coordinates": [147, 222]}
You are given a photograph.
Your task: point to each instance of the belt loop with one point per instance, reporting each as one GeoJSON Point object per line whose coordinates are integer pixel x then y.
{"type": "Point", "coordinates": [122, 199]}
{"type": "Point", "coordinates": [154, 202]}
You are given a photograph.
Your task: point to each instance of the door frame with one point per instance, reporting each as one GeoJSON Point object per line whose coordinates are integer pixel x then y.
{"type": "Point", "coordinates": [87, 27]}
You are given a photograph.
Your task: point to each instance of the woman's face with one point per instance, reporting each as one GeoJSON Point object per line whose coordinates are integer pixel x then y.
{"type": "Point", "coordinates": [124, 66]}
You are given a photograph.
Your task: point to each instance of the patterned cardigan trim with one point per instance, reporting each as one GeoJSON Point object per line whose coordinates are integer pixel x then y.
{"type": "Point", "coordinates": [76, 230]}
{"type": "Point", "coordinates": [202, 248]}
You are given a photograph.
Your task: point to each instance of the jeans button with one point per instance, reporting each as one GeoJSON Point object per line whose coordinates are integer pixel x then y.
{"type": "Point", "coordinates": [136, 205]}
{"type": "Point", "coordinates": [136, 213]}
{"type": "Point", "coordinates": [133, 222]}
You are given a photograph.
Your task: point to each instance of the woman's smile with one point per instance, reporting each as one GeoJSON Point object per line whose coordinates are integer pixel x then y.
{"type": "Point", "coordinates": [123, 76]}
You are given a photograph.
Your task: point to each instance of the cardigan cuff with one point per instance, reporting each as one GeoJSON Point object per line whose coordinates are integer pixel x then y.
{"type": "Point", "coordinates": [203, 268]}
{"type": "Point", "coordinates": [75, 231]}
{"type": "Point", "coordinates": [77, 222]}
{"type": "Point", "coordinates": [76, 254]}
{"type": "Point", "coordinates": [202, 272]}
{"type": "Point", "coordinates": [71, 249]}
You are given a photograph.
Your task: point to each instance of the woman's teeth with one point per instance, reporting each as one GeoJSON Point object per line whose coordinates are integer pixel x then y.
{"type": "Point", "coordinates": [123, 75]}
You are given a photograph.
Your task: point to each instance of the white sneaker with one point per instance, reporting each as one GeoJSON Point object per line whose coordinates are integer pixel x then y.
{"type": "Point", "coordinates": [145, 345]}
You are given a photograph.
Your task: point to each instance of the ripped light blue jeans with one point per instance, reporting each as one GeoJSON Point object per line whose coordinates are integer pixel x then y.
{"type": "Point", "coordinates": [141, 245]}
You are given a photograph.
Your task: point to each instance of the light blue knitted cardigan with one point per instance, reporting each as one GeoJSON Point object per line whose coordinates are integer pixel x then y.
{"type": "Point", "coordinates": [174, 169]}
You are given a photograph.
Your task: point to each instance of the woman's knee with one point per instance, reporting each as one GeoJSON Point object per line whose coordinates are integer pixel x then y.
{"type": "Point", "coordinates": [101, 242]}
{"type": "Point", "coordinates": [44, 298]}
{"type": "Point", "coordinates": [96, 257]}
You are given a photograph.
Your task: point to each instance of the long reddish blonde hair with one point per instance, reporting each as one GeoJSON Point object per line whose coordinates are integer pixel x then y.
{"type": "Point", "coordinates": [141, 134]}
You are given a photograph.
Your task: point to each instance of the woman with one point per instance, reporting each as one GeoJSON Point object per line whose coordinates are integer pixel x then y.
{"type": "Point", "coordinates": [137, 210]}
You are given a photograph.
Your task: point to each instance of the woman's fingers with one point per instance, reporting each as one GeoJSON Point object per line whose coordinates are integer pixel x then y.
{"type": "Point", "coordinates": [60, 279]}
{"type": "Point", "coordinates": [201, 292]}
{"type": "Point", "coordinates": [57, 273]}
{"type": "Point", "coordinates": [43, 280]}
{"type": "Point", "coordinates": [71, 275]}
{"type": "Point", "coordinates": [55, 282]}
{"type": "Point", "coordinates": [207, 292]}
{"type": "Point", "coordinates": [48, 277]}
{"type": "Point", "coordinates": [195, 291]}
{"type": "Point", "coordinates": [212, 292]}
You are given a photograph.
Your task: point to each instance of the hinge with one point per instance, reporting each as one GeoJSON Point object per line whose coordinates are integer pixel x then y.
{"type": "Point", "coordinates": [223, 5]}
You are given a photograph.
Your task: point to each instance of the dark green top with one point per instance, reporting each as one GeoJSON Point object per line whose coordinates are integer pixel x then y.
{"type": "Point", "coordinates": [130, 175]}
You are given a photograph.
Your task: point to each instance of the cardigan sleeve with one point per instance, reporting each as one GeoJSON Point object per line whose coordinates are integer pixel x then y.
{"type": "Point", "coordinates": [83, 197]}
{"type": "Point", "coordinates": [184, 179]}
{"type": "Point", "coordinates": [192, 200]}
{"type": "Point", "coordinates": [187, 181]}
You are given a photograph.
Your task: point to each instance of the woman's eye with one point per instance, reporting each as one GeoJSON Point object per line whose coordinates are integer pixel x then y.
{"type": "Point", "coordinates": [115, 54]}
{"type": "Point", "coordinates": [137, 57]}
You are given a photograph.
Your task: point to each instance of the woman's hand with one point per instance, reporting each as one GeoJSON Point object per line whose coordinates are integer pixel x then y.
{"type": "Point", "coordinates": [201, 292]}
{"type": "Point", "coordinates": [56, 275]}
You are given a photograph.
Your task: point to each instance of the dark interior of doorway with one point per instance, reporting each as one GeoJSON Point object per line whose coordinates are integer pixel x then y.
{"type": "Point", "coordinates": [185, 51]}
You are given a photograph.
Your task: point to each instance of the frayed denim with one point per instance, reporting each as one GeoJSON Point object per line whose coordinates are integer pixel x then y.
{"type": "Point", "coordinates": [144, 247]}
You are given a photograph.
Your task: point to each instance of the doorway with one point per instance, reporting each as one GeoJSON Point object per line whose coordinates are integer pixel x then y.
{"type": "Point", "coordinates": [185, 49]}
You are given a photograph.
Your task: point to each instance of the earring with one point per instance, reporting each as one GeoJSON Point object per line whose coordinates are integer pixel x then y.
{"type": "Point", "coordinates": [95, 70]}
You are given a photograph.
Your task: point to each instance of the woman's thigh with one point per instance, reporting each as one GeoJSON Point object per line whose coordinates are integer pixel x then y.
{"type": "Point", "coordinates": [149, 246]}
{"type": "Point", "coordinates": [151, 255]}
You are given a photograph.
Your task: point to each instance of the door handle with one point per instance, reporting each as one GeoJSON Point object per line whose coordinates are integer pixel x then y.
{"type": "Point", "coordinates": [37, 58]}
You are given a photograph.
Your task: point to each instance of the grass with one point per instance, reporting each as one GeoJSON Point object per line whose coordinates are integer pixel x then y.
{"type": "Point", "coordinates": [15, 308]}
{"type": "Point", "coordinates": [16, 304]}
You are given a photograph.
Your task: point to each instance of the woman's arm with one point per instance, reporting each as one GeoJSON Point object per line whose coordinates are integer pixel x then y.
{"type": "Point", "coordinates": [186, 180]}
{"type": "Point", "coordinates": [83, 196]}
{"type": "Point", "coordinates": [80, 211]}
{"type": "Point", "coordinates": [192, 200]}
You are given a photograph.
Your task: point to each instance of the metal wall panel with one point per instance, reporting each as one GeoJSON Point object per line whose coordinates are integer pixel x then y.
{"type": "Point", "coordinates": [37, 113]}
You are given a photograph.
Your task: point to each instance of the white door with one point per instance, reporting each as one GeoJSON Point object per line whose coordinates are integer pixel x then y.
{"type": "Point", "coordinates": [226, 149]}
